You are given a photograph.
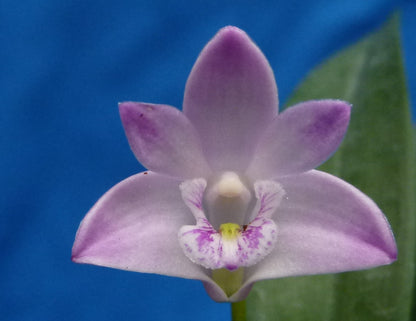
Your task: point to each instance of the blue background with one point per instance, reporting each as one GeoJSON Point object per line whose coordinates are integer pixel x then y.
{"type": "Point", "coordinates": [64, 65]}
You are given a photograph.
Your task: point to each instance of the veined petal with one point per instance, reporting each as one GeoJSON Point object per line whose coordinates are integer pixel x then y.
{"type": "Point", "coordinates": [230, 97]}
{"type": "Point", "coordinates": [134, 227]}
{"type": "Point", "coordinates": [163, 139]}
{"type": "Point", "coordinates": [301, 138]}
{"type": "Point", "coordinates": [325, 226]}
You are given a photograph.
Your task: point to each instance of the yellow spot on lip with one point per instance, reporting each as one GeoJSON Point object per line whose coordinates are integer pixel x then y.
{"type": "Point", "coordinates": [230, 231]}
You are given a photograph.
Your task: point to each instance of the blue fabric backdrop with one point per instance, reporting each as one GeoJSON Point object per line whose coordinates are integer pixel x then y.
{"type": "Point", "coordinates": [64, 65]}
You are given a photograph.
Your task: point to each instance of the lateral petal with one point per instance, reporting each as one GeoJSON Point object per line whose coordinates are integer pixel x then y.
{"type": "Point", "coordinates": [163, 139]}
{"type": "Point", "coordinates": [300, 138]}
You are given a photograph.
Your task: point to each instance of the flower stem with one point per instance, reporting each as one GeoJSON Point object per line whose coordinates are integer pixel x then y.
{"type": "Point", "coordinates": [238, 311]}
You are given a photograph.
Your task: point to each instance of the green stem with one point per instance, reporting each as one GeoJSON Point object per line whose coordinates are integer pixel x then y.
{"type": "Point", "coordinates": [238, 311]}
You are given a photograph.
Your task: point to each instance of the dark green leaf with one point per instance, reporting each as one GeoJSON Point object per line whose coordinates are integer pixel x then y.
{"type": "Point", "coordinates": [377, 156]}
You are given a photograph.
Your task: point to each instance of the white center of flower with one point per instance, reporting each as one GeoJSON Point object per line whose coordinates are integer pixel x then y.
{"type": "Point", "coordinates": [230, 185]}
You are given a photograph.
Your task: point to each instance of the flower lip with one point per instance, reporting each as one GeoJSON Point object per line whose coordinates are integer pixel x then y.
{"type": "Point", "coordinates": [233, 246]}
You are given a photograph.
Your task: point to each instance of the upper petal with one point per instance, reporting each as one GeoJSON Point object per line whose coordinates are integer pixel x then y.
{"type": "Point", "coordinates": [301, 138]}
{"type": "Point", "coordinates": [325, 226]}
{"type": "Point", "coordinates": [230, 96]}
{"type": "Point", "coordinates": [163, 139]}
{"type": "Point", "coordinates": [134, 226]}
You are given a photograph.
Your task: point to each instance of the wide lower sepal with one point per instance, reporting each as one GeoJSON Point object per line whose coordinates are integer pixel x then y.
{"type": "Point", "coordinates": [325, 226]}
{"type": "Point", "coordinates": [232, 246]}
{"type": "Point", "coordinates": [134, 227]}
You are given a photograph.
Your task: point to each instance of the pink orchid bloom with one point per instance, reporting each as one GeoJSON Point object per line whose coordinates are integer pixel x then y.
{"type": "Point", "coordinates": [231, 196]}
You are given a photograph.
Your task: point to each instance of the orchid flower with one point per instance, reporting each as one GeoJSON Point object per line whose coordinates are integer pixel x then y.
{"type": "Point", "coordinates": [231, 195]}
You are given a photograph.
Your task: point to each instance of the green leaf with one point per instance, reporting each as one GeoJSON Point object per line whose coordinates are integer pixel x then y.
{"type": "Point", "coordinates": [378, 157]}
